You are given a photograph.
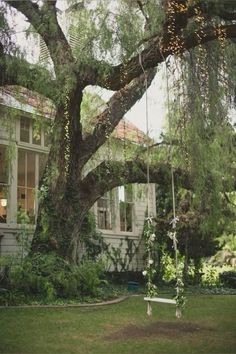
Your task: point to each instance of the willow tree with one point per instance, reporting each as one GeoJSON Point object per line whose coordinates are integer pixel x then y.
{"type": "Point", "coordinates": [118, 47]}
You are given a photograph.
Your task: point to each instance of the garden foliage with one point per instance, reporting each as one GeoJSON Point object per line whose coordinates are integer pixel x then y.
{"type": "Point", "coordinates": [47, 277]}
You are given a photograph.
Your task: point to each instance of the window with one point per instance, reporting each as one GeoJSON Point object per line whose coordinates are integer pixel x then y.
{"type": "Point", "coordinates": [25, 130]}
{"type": "Point", "coordinates": [125, 194]}
{"type": "Point", "coordinates": [26, 183]}
{"type": "Point", "coordinates": [30, 169]}
{"type": "Point", "coordinates": [104, 212]}
{"type": "Point", "coordinates": [3, 185]}
{"type": "Point", "coordinates": [33, 132]}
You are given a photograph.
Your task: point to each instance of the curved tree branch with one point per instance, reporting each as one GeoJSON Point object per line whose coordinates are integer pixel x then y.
{"type": "Point", "coordinates": [16, 71]}
{"type": "Point", "coordinates": [116, 77]}
{"type": "Point", "coordinates": [156, 52]}
{"type": "Point", "coordinates": [158, 47]}
{"type": "Point", "coordinates": [117, 106]}
{"type": "Point", "coordinates": [111, 174]}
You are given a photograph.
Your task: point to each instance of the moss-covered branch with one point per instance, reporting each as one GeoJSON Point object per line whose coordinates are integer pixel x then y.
{"type": "Point", "coordinates": [154, 54]}
{"type": "Point", "coordinates": [17, 71]}
{"type": "Point", "coordinates": [117, 106]}
{"type": "Point", "coordinates": [111, 174]}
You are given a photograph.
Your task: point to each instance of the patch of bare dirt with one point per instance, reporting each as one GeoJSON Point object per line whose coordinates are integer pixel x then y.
{"type": "Point", "coordinates": [159, 328]}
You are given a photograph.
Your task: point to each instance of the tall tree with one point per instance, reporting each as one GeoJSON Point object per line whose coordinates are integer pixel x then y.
{"type": "Point", "coordinates": [118, 47]}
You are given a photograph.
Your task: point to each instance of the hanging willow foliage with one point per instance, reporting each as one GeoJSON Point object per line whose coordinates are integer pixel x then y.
{"type": "Point", "coordinates": [202, 87]}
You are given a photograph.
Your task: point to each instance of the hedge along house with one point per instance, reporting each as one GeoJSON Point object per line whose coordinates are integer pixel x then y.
{"type": "Point", "coordinates": [24, 145]}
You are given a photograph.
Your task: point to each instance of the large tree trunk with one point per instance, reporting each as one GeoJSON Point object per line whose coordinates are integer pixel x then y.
{"type": "Point", "coordinates": [61, 209]}
{"type": "Point", "coordinates": [58, 227]}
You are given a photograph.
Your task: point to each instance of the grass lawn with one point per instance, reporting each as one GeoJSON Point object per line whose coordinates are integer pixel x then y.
{"type": "Point", "coordinates": [208, 326]}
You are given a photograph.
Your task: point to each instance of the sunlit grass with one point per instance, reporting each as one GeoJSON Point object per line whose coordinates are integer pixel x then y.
{"type": "Point", "coordinates": [208, 326]}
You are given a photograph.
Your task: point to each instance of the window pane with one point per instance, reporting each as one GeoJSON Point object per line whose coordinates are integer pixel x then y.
{"type": "Point", "coordinates": [121, 193]}
{"type": "Point", "coordinates": [3, 204]}
{"type": "Point", "coordinates": [21, 177]}
{"type": "Point", "coordinates": [104, 220]}
{"type": "Point", "coordinates": [122, 216]}
{"type": "Point", "coordinates": [36, 131]}
{"type": "Point", "coordinates": [3, 165]}
{"type": "Point", "coordinates": [21, 199]}
{"type": "Point", "coordinates": [104, 212]}
{"type": "Point", "coordinates": [25, 130]}
{"type": "Point", "coordinates": [30, 169]}
{"type": "Point", "coordinates": [26, 183]}
{"type": "Point", "coordinates": [126, 208]}
{"type": "Point", "coordinates": [30, 202]}
{"type": "Point", "coordinates": [129, 208]}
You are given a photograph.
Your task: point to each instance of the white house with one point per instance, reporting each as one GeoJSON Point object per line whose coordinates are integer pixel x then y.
{"type": "Point", "coordinates": [24, 145]}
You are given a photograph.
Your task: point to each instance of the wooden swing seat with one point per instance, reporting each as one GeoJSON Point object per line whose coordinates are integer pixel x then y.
{"type": "Point", "coordinates": [160, 299]}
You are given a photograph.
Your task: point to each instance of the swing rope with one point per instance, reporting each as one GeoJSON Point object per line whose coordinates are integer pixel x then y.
{"type": "Point", "coordinates": [180, 298]}
{"type": "Point", "coordinates": [151, 288]}
{"type": "Point", "coordinates": [175, 219]}
{"type": "Point", "coordinates": [149, 218]}
{"type": "Point", "coordinates": [147, 134]}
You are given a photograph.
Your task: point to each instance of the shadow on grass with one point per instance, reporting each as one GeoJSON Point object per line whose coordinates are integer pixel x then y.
{"type": "Point", "coordinates": [159, 328]}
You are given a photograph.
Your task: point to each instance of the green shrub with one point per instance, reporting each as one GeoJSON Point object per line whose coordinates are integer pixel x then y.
{"type": "Point", "coordinates": [89, 276]}
{"type": "Point", "coordinates": [228, 279]}
{"type": "Point", "coordinates": [47, 277]}
{"type": "Point", "coordinates": [210, 275]}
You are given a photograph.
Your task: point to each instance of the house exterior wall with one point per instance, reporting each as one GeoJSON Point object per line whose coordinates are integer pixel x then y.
{"type": "Point", "coordinates": [11, 230]}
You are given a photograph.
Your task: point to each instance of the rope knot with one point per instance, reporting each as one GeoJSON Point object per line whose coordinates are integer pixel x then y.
{"type": "Point", "coordinates": [172, 236]}
{"type": "Point", "coordinates": [174, 221]}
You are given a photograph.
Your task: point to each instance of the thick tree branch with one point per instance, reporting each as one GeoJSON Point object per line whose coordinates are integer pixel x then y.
{"type": "Point", "coordinates": [29, 9]}
{"type": "Point", "coordinates": [178, 13]}
{"type": "Point", "coordinates": [16, 71]}
{"type": "Point", "coordinates": [156, 52]}
{"type": "Point", "coordinates": [209, 9]}
{"type": "Point", "coordinates": [111, 174]}
{"type": "Point", "coordinates": [117, 106]}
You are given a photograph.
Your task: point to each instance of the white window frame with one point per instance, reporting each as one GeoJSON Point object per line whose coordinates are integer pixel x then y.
{"type": "Point", "coordinates": [30, 143]}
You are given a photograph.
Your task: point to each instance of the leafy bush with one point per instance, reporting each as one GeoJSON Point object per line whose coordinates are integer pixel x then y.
{"type": "Point", "coordinates": [210, 275]}
{"type": "Point", "coordinates": [169, 270]}
{"type": "Point", "coordinates": [48, 276]}
{"type": "Point", "coordinates": [89, 275]}
{"type": "Point", "coordinates": [228, 279]}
